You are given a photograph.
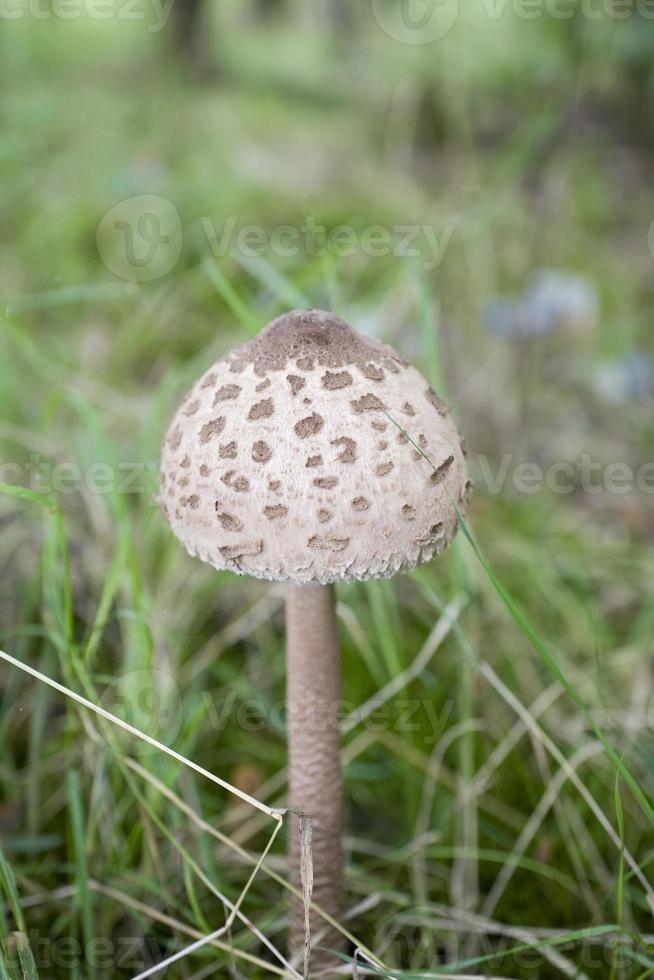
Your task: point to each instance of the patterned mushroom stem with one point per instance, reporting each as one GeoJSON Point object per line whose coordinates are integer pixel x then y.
{"type": "Point", "coordinates": [315, 779]}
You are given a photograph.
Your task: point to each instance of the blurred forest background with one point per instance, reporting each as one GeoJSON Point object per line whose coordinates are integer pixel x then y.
{"type": "Point", "coordinates": [471, 182]}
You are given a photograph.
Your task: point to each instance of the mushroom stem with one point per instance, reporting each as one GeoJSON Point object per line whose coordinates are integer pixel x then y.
{"type": "Point", "coordinates": [315, 779]}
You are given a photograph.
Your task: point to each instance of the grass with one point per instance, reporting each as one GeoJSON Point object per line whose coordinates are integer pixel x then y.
{"type": "Point", "coordinates": [500, 819]}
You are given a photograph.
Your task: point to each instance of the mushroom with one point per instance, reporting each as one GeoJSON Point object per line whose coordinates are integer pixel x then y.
{"type": "Point", "coordinates": [313, 455]}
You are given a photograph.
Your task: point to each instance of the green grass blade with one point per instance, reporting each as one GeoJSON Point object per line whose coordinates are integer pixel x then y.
{"type": "Point", "coordinates": [20, 948]}
{"type": "Point", "coordinates": [619, 901]}
{"type": "Point", "coordinates": [8, 884]}
{"type": "Point", "coordinates": [229, 295]}
{"type": "Point", "coordinates": [538, 644]}
{"type": "Point", "coordinates": [78, 842]}
{"type": "Point", "coordinates": [272, 279]}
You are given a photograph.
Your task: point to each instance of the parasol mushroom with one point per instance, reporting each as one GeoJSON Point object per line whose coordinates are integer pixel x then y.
{"type": "Point", "coordinates": [313, 455]}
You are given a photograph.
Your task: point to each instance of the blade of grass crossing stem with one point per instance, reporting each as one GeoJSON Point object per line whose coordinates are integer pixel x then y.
{"type": "Point", "coordinates": [8, 884]}
{"type": "Point", "coordinates": [3, 963]}
{"type": "Point", "coordinates": [78, 843]}
{"type": "Point", "coordinates": [525, 627]}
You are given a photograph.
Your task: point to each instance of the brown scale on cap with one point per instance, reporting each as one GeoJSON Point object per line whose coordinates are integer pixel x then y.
{"type": "Point", "coordinates": [211, 429]}
{"type": "Point", "coordinates": [303, 407]}
{"type": "Point", "coordinates": [333, 380]}
{"type": "Point", "coordinates": [193, 501]}
{"type": "Point", "coordinates": [348, 453]}
{"type": "Point", "coordinates": [439, 473]}
{"type": "Point", "coordinates": [235, 552]}
{"type": "Point", "coordinates": [261, 452]}
{"type": "Point", "coordinates": [275, 512]}
{"type": "Point", "coordinates": [240, 484]}
{"type": "Point", "coordinates": [296, 382]}
{"type": "Point", "coordinates": [262, 410]}
{"type": "Point", "coordinates": [437, 402]}
{"type": "Point", "coordinates": [372, 372]}
{"type": "Point", "coordinates": [226, 393]}
{"type": "Point", "coordinates": [309, 426]}
{"type": "Point", "coordinates": [311, 337]}
{"type": "Point", "coordinates": [328, 544]}
{"type": "Point", "coordinates": [368, 403]}
{"type": "Point", "coordinates": [228, 521]}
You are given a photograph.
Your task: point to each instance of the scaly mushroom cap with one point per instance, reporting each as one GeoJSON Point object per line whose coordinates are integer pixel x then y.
{"type": "Point", "coordinates": [313, 454]}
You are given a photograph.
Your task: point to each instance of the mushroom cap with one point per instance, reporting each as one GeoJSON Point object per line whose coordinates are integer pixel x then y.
{"type": "Point", "coordinates": [313, 454]}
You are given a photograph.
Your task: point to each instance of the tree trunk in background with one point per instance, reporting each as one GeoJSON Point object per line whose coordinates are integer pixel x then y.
{"type": "Point", "coordinates": [190, 37]}
{"type": "Point", "coordinates": [342, 15]}
{"type": "Point", "coordinates": [270, 9]}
